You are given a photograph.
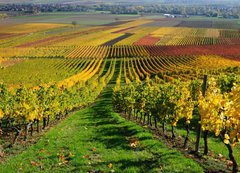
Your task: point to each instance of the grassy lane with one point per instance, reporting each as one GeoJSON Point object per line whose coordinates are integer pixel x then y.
{"type": "Point", "coordinates": [96, 139]}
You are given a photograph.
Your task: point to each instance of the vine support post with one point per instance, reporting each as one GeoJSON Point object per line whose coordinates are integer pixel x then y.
{"type": "Point", "coordinates": [232, 158]}
{"type": "Point", "coordinates": [44, 122]}
{"type": "Point", "coordinates": [164, 128]}
{"type": "Point", "coordinates": [141, 117]}
{"type": "Point", "coordinates": [48, 120]}
{"type": "Point", "coordinates": [38, 125]}
{"type": "Point", "coordinates": [187, 135]}
{"type": "Point", "coordinates": [130, 114]}
{"type": "Point", "coordinates": [173, 134]}
{"type": "Point", "coordinates": [205, 136]}
{"type": "Point", "coordinates": [155, 122]}
{"type": "Point", "coordinates": [230, 153]}
{"type": "Point", "coordinates": [17, 134]}
{"type": "Point", "coordinates": [144, 118]}
{"type": "Point", "coordinates": [199, 130]}
{"type": "Point", "coordinates": [31, 128]}
{"type": "Point", "coordinates": [27, 126]}
{"type": "Point", "coordinates": [150, 120]}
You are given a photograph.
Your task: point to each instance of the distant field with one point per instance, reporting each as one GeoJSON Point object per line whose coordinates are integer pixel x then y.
{"type": "Point", "coordinates": [97, 18]}
{"type": "Point", "coordinates": [100, 29]}
{"type": "Point", "coordinates": [67, 18]}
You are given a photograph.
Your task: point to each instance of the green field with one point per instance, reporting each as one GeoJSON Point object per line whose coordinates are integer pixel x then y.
{"type": "Point", "coordinates": [82, 18]}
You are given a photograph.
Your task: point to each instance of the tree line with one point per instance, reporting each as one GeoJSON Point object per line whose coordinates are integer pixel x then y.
{"type": "Point", "coordinates": [224, 11]}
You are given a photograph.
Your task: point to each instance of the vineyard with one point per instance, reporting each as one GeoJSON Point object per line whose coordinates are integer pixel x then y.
{"type": "Point", "coordinates": [177, 80]}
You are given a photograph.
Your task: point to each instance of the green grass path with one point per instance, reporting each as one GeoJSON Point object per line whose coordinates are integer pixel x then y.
{"type": "Point", "coordinates": [97, 139]}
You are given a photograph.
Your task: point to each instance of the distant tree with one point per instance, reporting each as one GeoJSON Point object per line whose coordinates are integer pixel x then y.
{"type": "Point", "coordinates": [3, 15]}
{"type": "Point", "coordinates": [74, 23]}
